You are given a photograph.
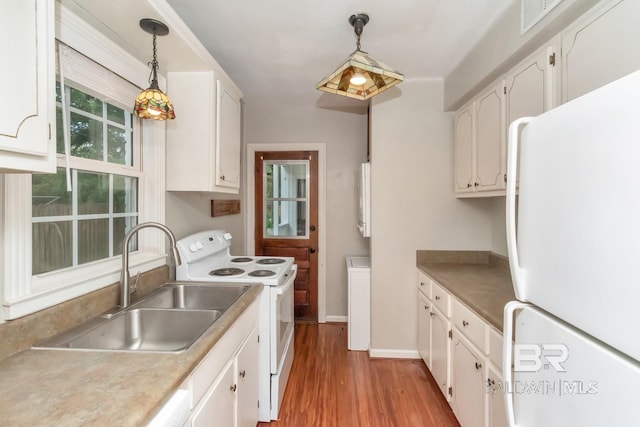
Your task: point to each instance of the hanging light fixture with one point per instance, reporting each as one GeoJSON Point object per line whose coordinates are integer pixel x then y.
{"type": "Point", "coordinates": [152, 103]}
{"type": "Point", "coordinates": [360, 76]}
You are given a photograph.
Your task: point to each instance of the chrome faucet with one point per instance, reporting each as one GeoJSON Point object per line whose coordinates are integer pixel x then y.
{"type": "Point", "coordinates": [124, 275]}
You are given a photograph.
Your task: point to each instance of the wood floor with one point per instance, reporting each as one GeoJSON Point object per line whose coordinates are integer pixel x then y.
{"type": "Point", "coordinates": [334, 387]}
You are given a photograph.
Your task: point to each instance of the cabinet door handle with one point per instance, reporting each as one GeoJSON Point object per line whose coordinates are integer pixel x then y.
{"type": "Point", "coordinates": [421, 283]}
{"type": "Point", "coordinates": [242, 373]}
{"type": "Point", "coordinates": [233, 388]}
{"type": "Point", "coordinates": [478, 365]}
{"type": "Point", "coordinates": [432, 314]}
{"type": "Point", "coordinates": [476, 184]}
{"type": "Point", "coordinates": [437, 298]}
{"type": "Point", "coordinates": [468, 185]}
{"type": "Point", "coordinates": [465, 323]}
{"type": "Point", "coordinates": [222, 177]}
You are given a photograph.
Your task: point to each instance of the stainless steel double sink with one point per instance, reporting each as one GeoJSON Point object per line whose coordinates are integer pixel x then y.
{"type": "Point", "coordinates": [169, 319]}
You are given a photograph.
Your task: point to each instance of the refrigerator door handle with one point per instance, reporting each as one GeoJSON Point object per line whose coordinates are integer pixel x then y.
{"type": "Point", "coordinates": [507, 358]}
{"type": "Point", "coordinates": [517, 273]}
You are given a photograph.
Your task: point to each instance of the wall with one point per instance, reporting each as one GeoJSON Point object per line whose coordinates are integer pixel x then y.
{"type": "Point", "coordinates": [499, 228]}
{"type": "Point", "coordinates": [345, 136]}
{"type": "Point", "coordinates": [413, 206]}
{"type": "Point", "coordinates": [502, 47]}
{"type": "Point", "coordinates": [189, 212]}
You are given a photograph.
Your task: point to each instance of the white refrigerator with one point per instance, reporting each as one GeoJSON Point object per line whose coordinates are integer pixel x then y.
{"type": "Point", "coordinates": [573, 234]}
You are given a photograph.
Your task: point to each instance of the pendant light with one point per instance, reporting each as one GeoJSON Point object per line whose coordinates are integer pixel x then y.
{"type": "Point", "coordinates": [152, 103]}
{"type": "Point", "coordinates": [360, 76]}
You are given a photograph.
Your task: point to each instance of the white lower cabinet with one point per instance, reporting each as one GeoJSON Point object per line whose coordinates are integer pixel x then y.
{"type": "Point", "coordinates": [496, 413]}
{"type": "Point", "coordinates": [224, 385]}
{"type": "Point", "coordinates": [424, 329]}
{"type": "Point", "coordinates": [467, 382]}
{"type": "Point", "coordinates": [217, 407]}
{"type": "Point", "coordinates": [462, 351]}
{"type": "Point", "coordinates": [246, 377]}
{"type": "Point", "coordinates": [232, 400]}
{"type": "Point", "coordinates": [440, 350]}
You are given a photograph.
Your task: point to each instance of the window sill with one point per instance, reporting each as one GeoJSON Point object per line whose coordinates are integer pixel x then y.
{"type": "Point", "coordinates": [54, 288]}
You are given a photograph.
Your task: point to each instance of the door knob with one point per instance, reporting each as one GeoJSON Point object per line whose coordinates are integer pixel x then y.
{"type": "Point", "coordinates": [312, 250]}
{"type": "Point", "coordinates": [312, 228]}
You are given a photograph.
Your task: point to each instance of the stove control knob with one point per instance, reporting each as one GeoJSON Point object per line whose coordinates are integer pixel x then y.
{"type": "Point", "coordinates": [193, 247]}
{"type": "Point", "coordinates": [199, 244]}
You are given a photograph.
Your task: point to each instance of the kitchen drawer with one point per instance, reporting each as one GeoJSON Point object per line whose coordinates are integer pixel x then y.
{"type": "Point", "coordinates": [495, 347]}
{"type": "Point", "coordinates": [441, 298]}
{"type": "Point", "coordinates": [471, 325]}
{"type": "Point", "coordinates": [424, 284]}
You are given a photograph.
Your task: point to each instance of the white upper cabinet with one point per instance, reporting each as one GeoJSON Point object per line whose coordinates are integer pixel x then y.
{"type": "Point", "coordinates": [490, 139]}
{"type": "Point", "coordinates": [228, 127]}
{"type": "Point", "coordinates": [27, 85]}
{"type": "Point", "coordinates": [530, 86]}
{"type": "Point", "coordinates": [203, 141]}
{"type": "Point", "coordinates": [593, 52]}
{"type": "Point", "coordinates": [479, 141]}
{"type": "Point", "coordinates": [463, 143]}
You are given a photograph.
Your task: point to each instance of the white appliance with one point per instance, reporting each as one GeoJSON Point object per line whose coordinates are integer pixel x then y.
{"type": "Point", "coordinates": [206, 258]}
{"type": "Point", "coordinates": [359, 304]}
{"type": "Point", "coordinates": [574, 263]}
{"type": "Point", "coordinates": [364, 200]}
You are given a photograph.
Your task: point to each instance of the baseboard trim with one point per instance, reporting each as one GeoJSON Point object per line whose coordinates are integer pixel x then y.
{"type": "Point", "coordinates": [336, 319]}
{"type": "Point", "coordinates": [393, 354]}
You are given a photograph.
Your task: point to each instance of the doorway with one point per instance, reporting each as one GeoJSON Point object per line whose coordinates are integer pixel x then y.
{"type": "Point", "coordinates": [286, 218]}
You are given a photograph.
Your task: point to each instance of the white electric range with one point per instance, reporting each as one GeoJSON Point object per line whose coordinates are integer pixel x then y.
{"type": "Point", "coordinates": [206, 257]}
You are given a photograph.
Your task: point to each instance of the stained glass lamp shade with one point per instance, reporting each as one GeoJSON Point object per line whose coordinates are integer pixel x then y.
{"type": "Point", "coordinates": [360, 76]}
{"type": "Point", "coordinates": [152, 103]}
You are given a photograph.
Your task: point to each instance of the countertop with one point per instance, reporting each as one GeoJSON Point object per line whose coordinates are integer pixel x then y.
{"type": "Point", "coordinates": [481, 280]}
{"type": "Point", "coordinates": [82, 388]}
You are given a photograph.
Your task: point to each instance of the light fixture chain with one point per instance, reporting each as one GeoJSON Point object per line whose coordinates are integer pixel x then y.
{"type": "Point", "coordinates": [358, 42]}
{"type": "Point", "coordinates": [154, 63]}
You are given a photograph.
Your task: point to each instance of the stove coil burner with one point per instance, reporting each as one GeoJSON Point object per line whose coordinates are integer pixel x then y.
{"type": "Point", "coordinates": [226, 272]}
{"type": "Point", "coordinates": [270, 261]}
{"type": "Point", "coordinates": [242, 259]}
{"type": "Point", "coordinates": [262, 273]}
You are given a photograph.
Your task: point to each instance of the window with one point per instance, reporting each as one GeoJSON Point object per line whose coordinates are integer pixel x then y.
{"type": "Point", "coordinates": [58, 245]}
{"type": "Point", "coordinates": [89, 222]}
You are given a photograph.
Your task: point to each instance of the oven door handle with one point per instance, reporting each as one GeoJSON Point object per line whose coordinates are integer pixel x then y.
{"type": "Point", "coordinates": [279, 290]}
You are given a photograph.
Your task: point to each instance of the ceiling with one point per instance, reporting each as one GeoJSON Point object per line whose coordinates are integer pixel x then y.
{"type": "Point", "coordinates": [278, 50]}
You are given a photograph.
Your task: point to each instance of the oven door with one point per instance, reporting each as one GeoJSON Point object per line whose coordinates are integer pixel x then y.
{"type": "Point", "coordinates": [281, 306]}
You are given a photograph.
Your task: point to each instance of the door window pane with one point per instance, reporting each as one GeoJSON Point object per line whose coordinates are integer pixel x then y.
{"type": "Point", "coordinates": [285, 197]}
